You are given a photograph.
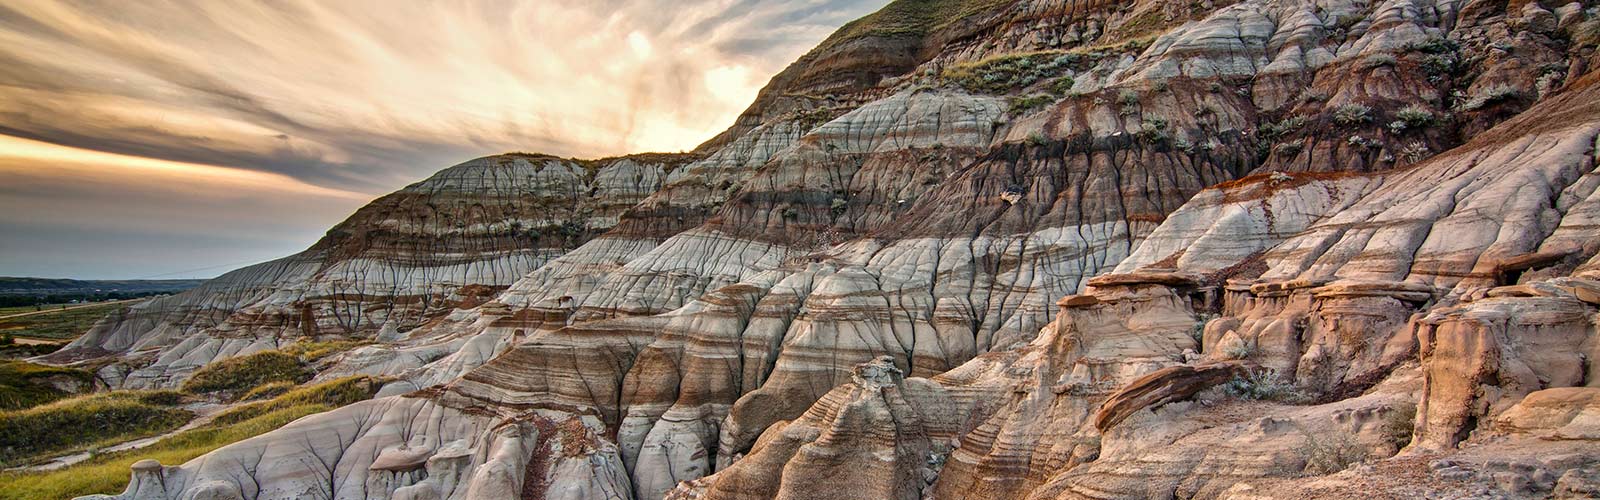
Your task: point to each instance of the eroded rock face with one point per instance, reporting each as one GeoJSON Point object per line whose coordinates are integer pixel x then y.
{"type": "Point", "coordinates": [890, 280]}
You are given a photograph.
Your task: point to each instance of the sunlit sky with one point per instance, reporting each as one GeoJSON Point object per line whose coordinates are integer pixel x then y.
{"type": "Point", "coordinates": [183, 138]}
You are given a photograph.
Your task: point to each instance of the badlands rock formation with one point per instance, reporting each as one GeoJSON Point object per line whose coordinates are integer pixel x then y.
{"type": "Point", "coordinates": [982, 249]}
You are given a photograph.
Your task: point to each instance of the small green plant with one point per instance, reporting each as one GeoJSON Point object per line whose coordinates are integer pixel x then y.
{"type": "Point", "coordinates": [838, 206]}
{"type": "Point", "coordinates": [1036, 139]}
{"type": "Point", "coordinates": [1399, 424]}
{"type": "Point", "coordinates": [1415, 116]}
{"type": "Point", "coordinates": [1290, 148]}
{"type": "Point", "coordinates": [1352, 114]}
{"type": "Point", "coordinates": [1022, 105]}
{"type": "Point", "coordinates": [1153, 131]}
{"type": "Point", "coordinates": [1273, 131]}
{"type": "Point", "coordinates": [1128, 98]}
{"type": "Point", "coordinates": [1239, 350]}
{"type": "Point", "coordinates": [1415, 152]}
{"type": "Point", "coordinates": [1490, 95]}
{"type": "Point", "coordinates": [1329, 452]}
{"type": "Point", "coordinates": [1062, 86]}
{"type": "Point", "coordinates": [1262, 385]}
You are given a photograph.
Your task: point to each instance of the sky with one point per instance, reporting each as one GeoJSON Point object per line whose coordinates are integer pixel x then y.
{"type": "Point", "coordinates": [175, 139]}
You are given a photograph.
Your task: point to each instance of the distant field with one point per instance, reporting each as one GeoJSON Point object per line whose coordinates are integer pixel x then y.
{"type": "Point", "coordinates": [60, 325]}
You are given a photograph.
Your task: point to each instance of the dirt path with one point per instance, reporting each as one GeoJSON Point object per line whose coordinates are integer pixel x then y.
{"type": "Point", "coordinates": [81, 306]}
{"type": "Point", "coordinates": [204, 412]}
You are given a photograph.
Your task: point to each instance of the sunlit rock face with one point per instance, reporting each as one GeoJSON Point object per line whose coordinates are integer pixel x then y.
{"type": "Point", "coordinates": [1001, 250]}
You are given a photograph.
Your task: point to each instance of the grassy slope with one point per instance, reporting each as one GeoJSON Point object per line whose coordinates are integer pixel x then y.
{"type": "Point", "coordinates": [109, 473]}
{"type": "Point", "coordinates": [62, 325]}
{"type": "Point", "coordinates": [24, 385]}
{"type": "Point", "coordinates": [87, 422]}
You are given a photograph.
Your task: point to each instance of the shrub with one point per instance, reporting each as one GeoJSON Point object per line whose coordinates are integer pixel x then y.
{"type": "Point", "coordinates": [1002, 74]}
{"type": "Point", "coordinates": [1271, 131]}
{"type": "Point", "coordinates": [1351, 114]}
{"type": "Point", "coordinates": [1153, 131]}
{"type": "Point", "coordinates": [1415, 116]}
{"type": "Point", "coordinates": [1262, 385]}
{"type": "Point", "coordinates": [236, 376]}
{"type": "Point", "coordinates": [1415, 152]}
{"type": "Point", "coordinates": [1062, 86]}
{"type": "Point", "coordinates": [85, 422]}
{"type": "Point", "coordinates": [1329, 452]}
{"type": "Point", "coordinates": [1127, 98]}
{"type": "Point", "coordinates": [1490, 95]}
{"type": "Point", "coordinates": [1290, 148]}
{"type": "Point", "coordinates": [25, 385]}
{"type": "Point", "coordinates": [1398, 425]}
{"type": "Point", "coordinates": [1022, 105]}
{"type": "Point", "coordinates": [1239, 351]}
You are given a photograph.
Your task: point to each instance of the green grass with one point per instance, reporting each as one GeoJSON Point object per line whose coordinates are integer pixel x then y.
{"type": "Point", "coordinates": [908, 18]}
{"type": "Point", "coordinates": [109, 473]}
{"type": "Point", "coordinates": [62, 325]}
{"type": "Point", "coordinates": [25, 385]}
{"type": "Point", "coordinates": [86, 422]}
{"type": "Point", "coordinates": [233, 377]}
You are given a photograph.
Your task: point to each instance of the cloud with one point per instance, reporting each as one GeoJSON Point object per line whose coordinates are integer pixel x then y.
{"type": "Point", "coordinates": [368, 95]}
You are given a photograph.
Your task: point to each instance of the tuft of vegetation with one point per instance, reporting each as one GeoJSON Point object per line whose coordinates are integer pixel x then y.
{"type": "Point", "coordinates": [1291, 148]}
{"type": "Point", "coordinates": [233, 377]}
{"type": "Point", "coordinates": [1240, 350]}
{"type": "Point", "coordinates": [1153, 131]}
{"type": "Point", "coordinates": [1263, 385]}
{"type": "Point", "coordinates": [1490, 95]}
{"type": "Point", "coordinates": [1127, 98]}
{"type": "Point", "coordinates": [1414, 116]}
{"type": "Point", "coordinates": [25, 385]}
{"type": "Point", "coordinates": [1329, 452]}
{"type": "Point", "coordinates": [268, 391]}
{"type": "Point", "coordinates": [1037, 139]}
{"type": "Point", "coordinates": [1352, 114]}
{"type": "Point", "coordinates": [1009, 72]}
{"type": "Point", "coordinates": [87, 422]}
{"type": "Point", "coordinates": [1399, 424]}
{"type": "Point", "coordinates": [1022, 105]}
{"type": "Point", "coordinates": [1415, 152]}
{"type": "Point", "coordinates": [108, 473]}
{"type": "Point", "coordinates": [313, 351]}
{"type": "Point", "coordinates": [1062, 86]}
{"type": "Point", "coordinates": [1273, 131]}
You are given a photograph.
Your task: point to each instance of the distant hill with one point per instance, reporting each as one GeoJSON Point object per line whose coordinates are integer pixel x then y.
{"type": "Point", "coordinates": [62, 286]}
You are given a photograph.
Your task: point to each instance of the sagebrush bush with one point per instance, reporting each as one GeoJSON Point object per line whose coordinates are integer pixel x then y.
{"type": "Point", "coordinates": [1329, 452]}
{"type": "Point", "coordinates": [1003, 74]}
{"type": "Point", "coordinates": [1351, 114]}
{"type": "Point", "coordinates": [1262, 385]}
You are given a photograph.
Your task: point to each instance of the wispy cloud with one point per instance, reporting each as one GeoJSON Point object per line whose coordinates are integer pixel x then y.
{"type": "Point", "coordinates": [368, 95]}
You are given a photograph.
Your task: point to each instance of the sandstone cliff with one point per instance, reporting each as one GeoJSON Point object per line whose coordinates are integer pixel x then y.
{"type": "Point", "coordinates": [979, 249]}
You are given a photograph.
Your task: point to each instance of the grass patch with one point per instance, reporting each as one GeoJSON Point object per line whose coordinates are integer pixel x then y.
{"type": "Point", "coordinates": [233, 377]}
{"type": "Point", "coordinates": [1005, 73]}
{"type": "Point", "coordinates": [1022, 105]}
{"type": "Point", "coordinates": [333, 393]}
{"type": "Point", "coordinates": [908, 18]}
{"type": "Point", "coordinates": [25, 385]}
{"type": "Point", "coordinates": [61, 324]}
{"type": "Point", "coordinates": [109, 473]}
{"type": "Point", "coordinates": [87, 422]}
